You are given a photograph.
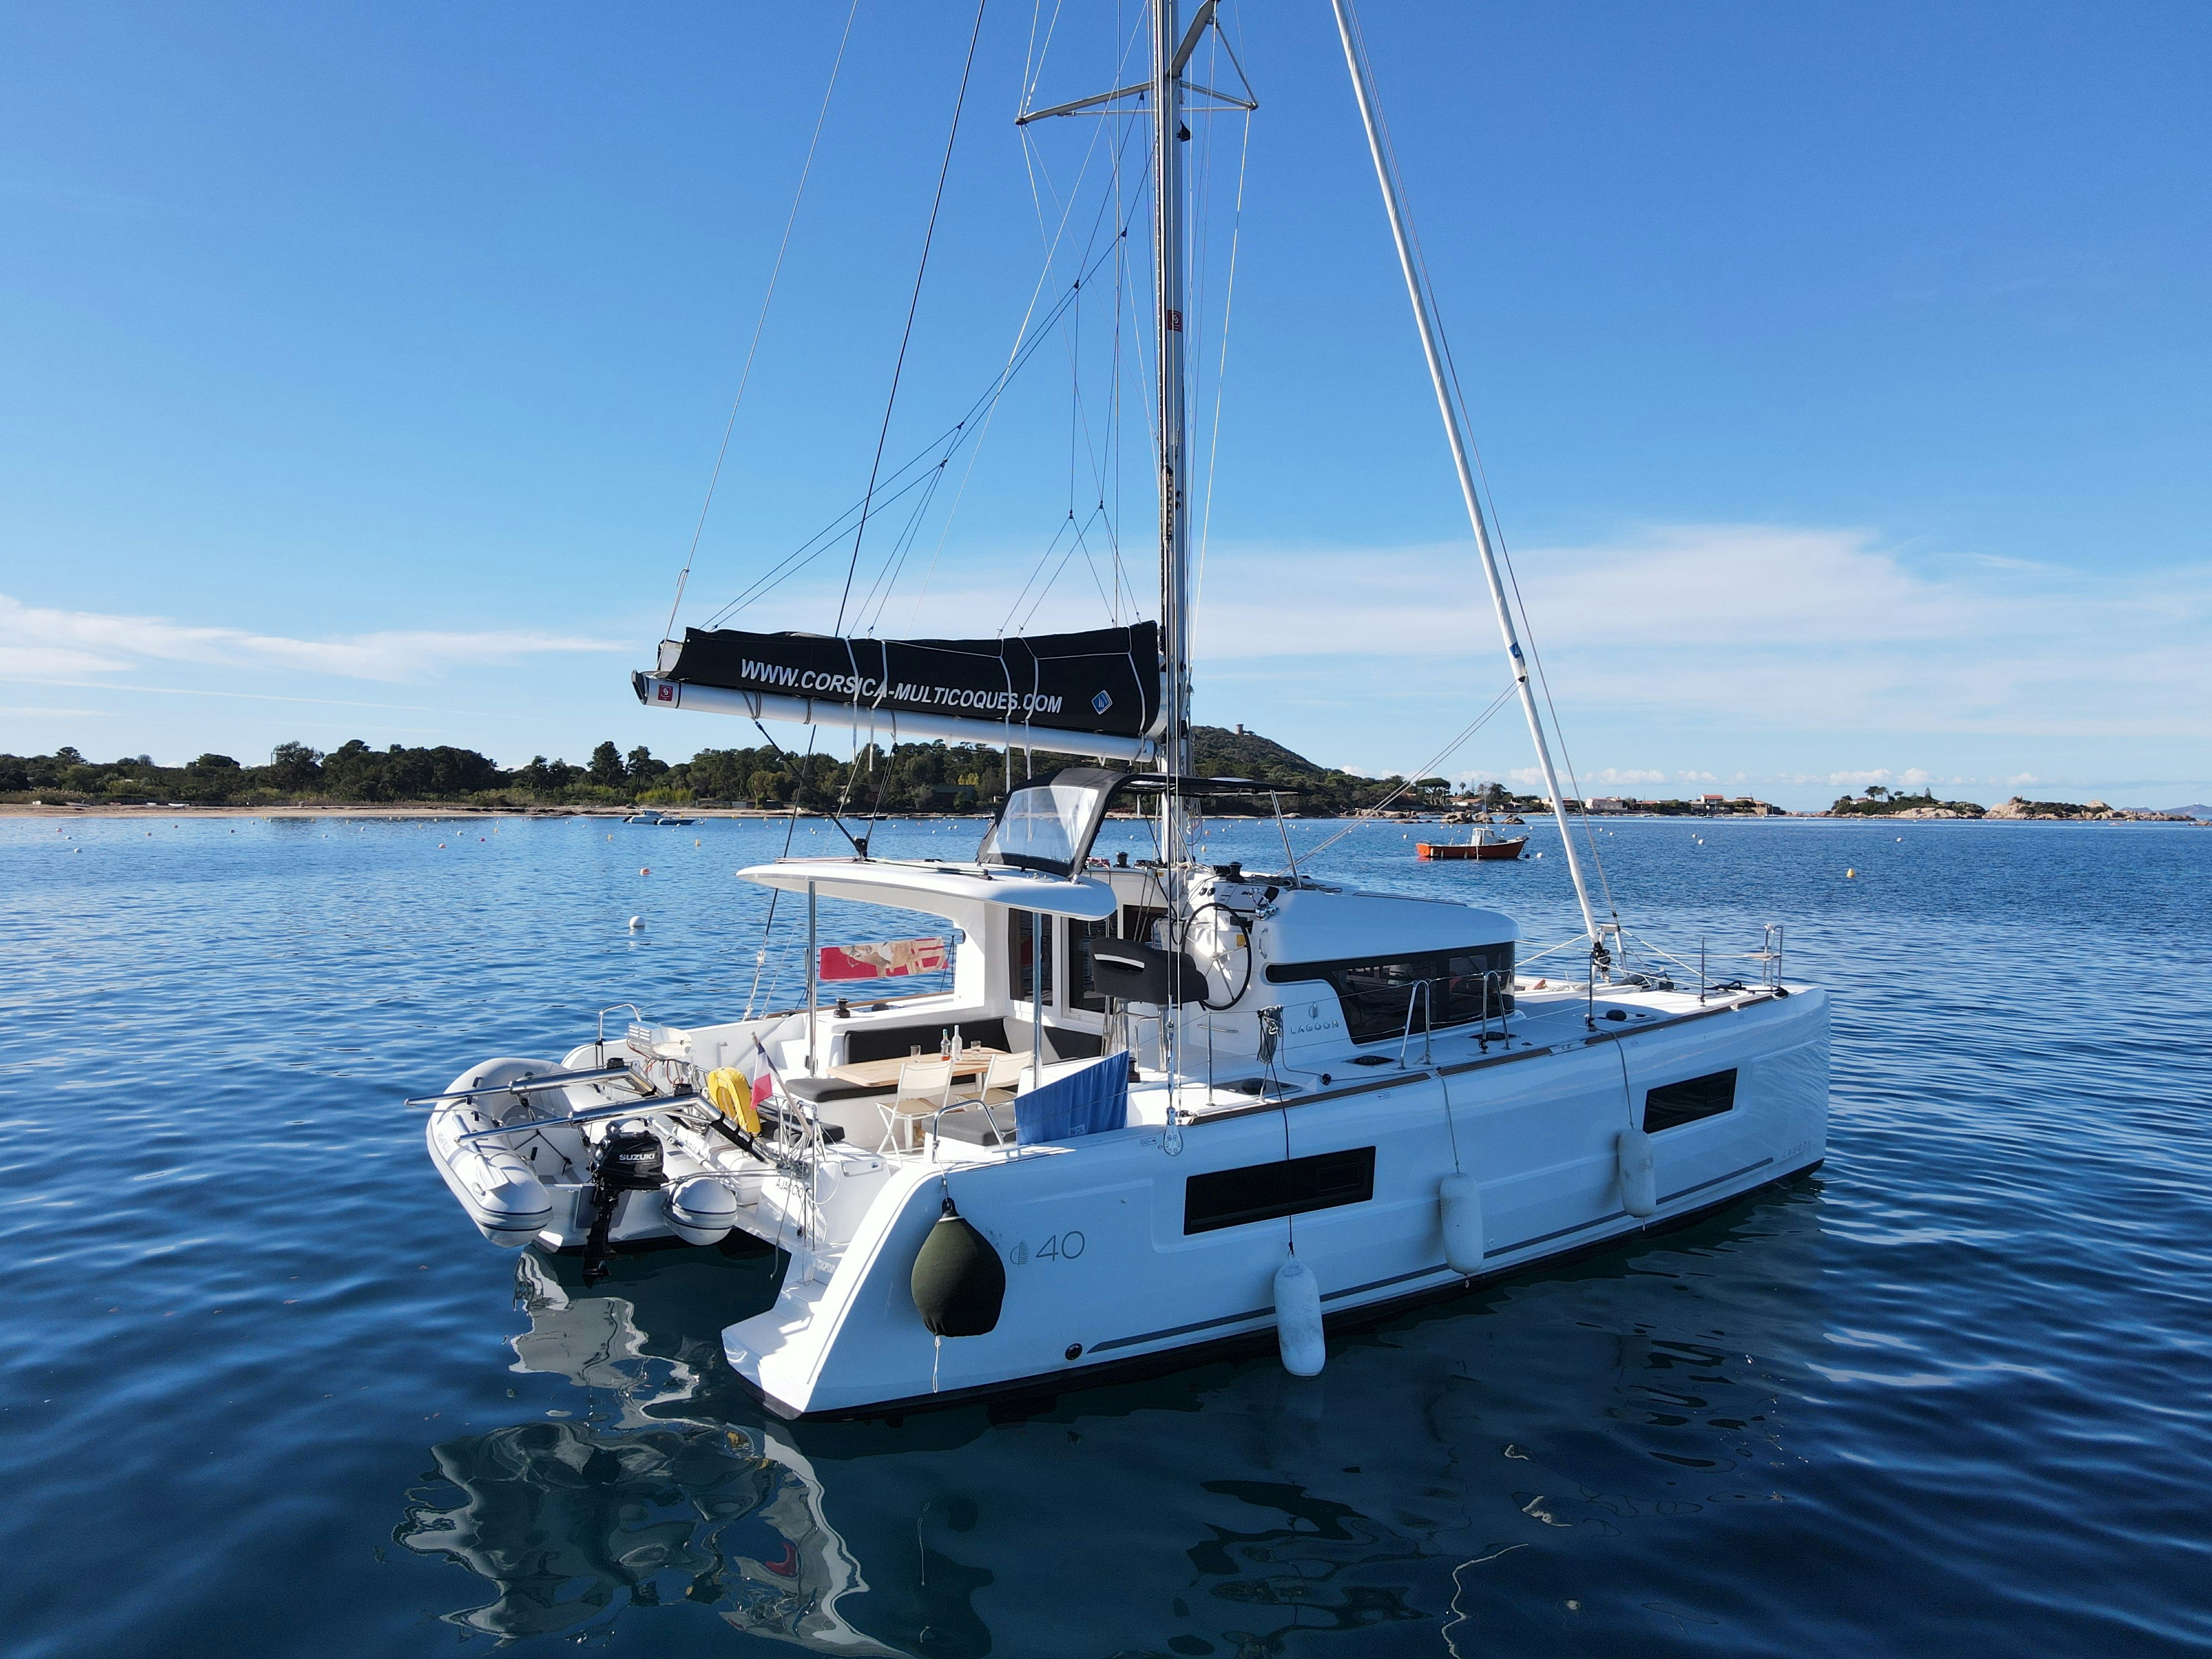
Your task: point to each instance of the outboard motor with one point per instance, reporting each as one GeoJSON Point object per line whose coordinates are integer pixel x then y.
{"type": "Point", "coordinates": [628, 1161]}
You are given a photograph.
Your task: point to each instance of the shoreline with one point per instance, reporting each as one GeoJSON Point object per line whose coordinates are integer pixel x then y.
{"type": "Point", "coordinates": [385, 810]}
{"type": "Point", "coordinates": [433, 809]}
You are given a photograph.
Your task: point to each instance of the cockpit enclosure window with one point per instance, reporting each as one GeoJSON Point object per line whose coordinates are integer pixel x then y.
{"type": "Point", "coordinates": [1464, 987]}
{"type": "Point", "coordinates": [1049, 824]}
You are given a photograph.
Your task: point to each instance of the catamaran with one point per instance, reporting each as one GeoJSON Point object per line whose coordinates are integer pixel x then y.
{"type": "Point", "coordinates": [1153, 1107]}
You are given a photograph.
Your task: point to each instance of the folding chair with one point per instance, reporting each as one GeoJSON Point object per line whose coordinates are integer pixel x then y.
{"type": "Point", "coordinates": [925, 1086]}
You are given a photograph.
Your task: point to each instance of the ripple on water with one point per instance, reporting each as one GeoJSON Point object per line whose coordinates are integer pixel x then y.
{"type": "Point", "coordinates": [269, 1393]}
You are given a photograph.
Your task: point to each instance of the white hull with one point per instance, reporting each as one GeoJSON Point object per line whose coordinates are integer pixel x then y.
{"type": "Point", "coordinates": [1539, 1129]}
{"type": "Point", "coordinates": [1100, 1270]}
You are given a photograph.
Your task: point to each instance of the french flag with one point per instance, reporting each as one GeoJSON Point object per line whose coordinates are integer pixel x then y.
{"type": "Point", "coordinates": [765, 1080]}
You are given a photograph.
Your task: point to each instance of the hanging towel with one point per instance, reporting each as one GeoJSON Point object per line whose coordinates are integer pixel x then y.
{"type": "Point", "coordinates": [1086, 1102]}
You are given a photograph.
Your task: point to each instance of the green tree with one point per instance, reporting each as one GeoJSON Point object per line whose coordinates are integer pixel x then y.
{"type": "Point", "coordinates": [606, 767]}
{"type": "Point", "coordinates": [294, 766]}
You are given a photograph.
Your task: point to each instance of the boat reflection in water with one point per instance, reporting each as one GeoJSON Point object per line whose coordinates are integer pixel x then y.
{"type": "Point", "coordinates": [572, 1521]}
{"type": "Point", "coordinates": [1574, 1439]}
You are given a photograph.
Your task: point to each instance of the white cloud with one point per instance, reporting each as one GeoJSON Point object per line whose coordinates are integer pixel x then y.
{"type": "Point", "coordinates": [1604, 780]}
{"type": "Point", "coordinates": [38, 644]}
{"type": "Point", "coordinates": [1754, 626]}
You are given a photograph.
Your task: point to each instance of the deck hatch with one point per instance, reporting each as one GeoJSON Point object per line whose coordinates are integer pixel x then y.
{"type": "Point", "coordinates": [1265, 1191]}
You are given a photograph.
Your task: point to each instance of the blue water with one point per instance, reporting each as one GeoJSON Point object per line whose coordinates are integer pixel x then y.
{"type": "Point", "coordinates": [265, 1391]}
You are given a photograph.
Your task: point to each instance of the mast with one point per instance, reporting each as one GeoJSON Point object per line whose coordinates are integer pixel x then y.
{"type": "Point", "coordinates": [1424, 319]}
{"type": "Point", "coordinates": [1169, 137]}
{"type": "Point", "coordinates": [1163, 92]}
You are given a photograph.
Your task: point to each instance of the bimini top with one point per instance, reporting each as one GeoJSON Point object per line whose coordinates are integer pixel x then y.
{"type": "Point", "coordinates": [944, 889]}
{"type": "Point", "coordinates": [1048, 823]}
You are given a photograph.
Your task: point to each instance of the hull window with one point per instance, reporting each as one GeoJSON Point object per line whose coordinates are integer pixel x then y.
{"type": "Point", "coordinates": [1464, 987]}
{"type": "Point", "coordinates": [1673, 1104]}
{"type": "Point", "coordinates": [1267, 1192]}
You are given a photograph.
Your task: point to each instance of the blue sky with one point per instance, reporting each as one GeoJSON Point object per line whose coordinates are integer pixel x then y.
{"type": "Point", "coordinates": [1841, 372]}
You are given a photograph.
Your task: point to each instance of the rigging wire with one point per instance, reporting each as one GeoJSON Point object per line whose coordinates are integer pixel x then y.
{"type": "Point", "coordinates": [1083, 443]}
{"type": "Point", "coordinates": [790, 829]}
{"type": "Point", "coordinates": [946, 442]}
{"type": "Point", "coordinates": [760, 323]}
{"type": "Point", "coordinates": [1221, 369]}
{"type": "Point", "coordinates": [1427, 769]}
{"type": "Point", "coordinates": [1505, 558]}
{"type": "Point", "coordinates": [1513, 579]}
{"type": "Point", "coordinates": [990, 412]}
{"type": "Point", "coordinates": [914, 304]}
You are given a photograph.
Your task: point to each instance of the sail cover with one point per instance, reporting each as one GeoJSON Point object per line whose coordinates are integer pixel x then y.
{"type": "Point", "coordinates": [1105, 681]}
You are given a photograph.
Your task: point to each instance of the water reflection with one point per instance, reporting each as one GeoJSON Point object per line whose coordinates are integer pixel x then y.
{"type": "Point", "coordinates": [565, 1518]}
{"type": "Point", "coordinates": [1460, 1471]}
{"type": "Point", "coordinates": [571, 1520]}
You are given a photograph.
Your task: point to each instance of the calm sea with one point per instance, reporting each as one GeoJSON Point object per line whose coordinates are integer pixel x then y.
{"type": "Point", "coordinates": [266, 1391]}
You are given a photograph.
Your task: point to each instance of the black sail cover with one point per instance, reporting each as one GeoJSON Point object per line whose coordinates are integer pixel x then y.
{"type": "Point", "coordinates": [1106, 681]}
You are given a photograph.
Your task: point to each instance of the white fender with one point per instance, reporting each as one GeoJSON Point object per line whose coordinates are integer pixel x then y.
{"type": "Point", "coordinates": [1639, 1185]}
{"type": "Point", "coordinates": [1461, 1197]}
{"type": "Point", "coordinates": [1298, 1319]}
{"type": "Point", "coordinates": [701, 1210]}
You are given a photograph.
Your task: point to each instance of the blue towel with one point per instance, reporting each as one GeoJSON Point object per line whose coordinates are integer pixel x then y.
{"type": "Point", "coordinates": [1086, 1102]}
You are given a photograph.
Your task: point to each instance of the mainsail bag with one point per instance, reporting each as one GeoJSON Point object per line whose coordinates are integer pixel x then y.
{"type": "Point", "coordinates": [1105, 681]}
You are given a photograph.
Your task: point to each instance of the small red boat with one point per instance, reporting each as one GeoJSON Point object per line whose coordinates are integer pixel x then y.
{"type": "Point", "coordinates": [1486, 844]}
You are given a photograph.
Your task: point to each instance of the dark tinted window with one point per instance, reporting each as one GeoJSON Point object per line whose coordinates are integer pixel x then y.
{"type": "Point", "coordinates": [1464, 987]}
{"type": "Point", "coordinates": [1083, 993]}
{"type": "Point", "coordinates": [1137, 922]}
{"type": "Point", "coordinates": [1675, 1103]}
{"type": "Point", "coordinates": [1264, 1192]}
{"type": "Point", "coordinates": [1024, 955]}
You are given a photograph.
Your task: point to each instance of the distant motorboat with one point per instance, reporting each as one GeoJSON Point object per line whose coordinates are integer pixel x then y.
{"type": "Point", "coordinates": [1486, 843]}
{"type": "Point", "coordinates": [668, 818]}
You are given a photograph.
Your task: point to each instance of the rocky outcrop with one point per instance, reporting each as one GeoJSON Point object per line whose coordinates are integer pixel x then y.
{"type": "Point", "coordinates": [2093, 812]}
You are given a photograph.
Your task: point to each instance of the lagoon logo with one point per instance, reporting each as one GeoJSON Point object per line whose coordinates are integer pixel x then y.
{"type": "Point", "coordinates": [1101, 703]}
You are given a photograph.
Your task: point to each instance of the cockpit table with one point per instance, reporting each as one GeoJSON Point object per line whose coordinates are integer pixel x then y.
{"type": "Point", "coordinates": [974, 1062]}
